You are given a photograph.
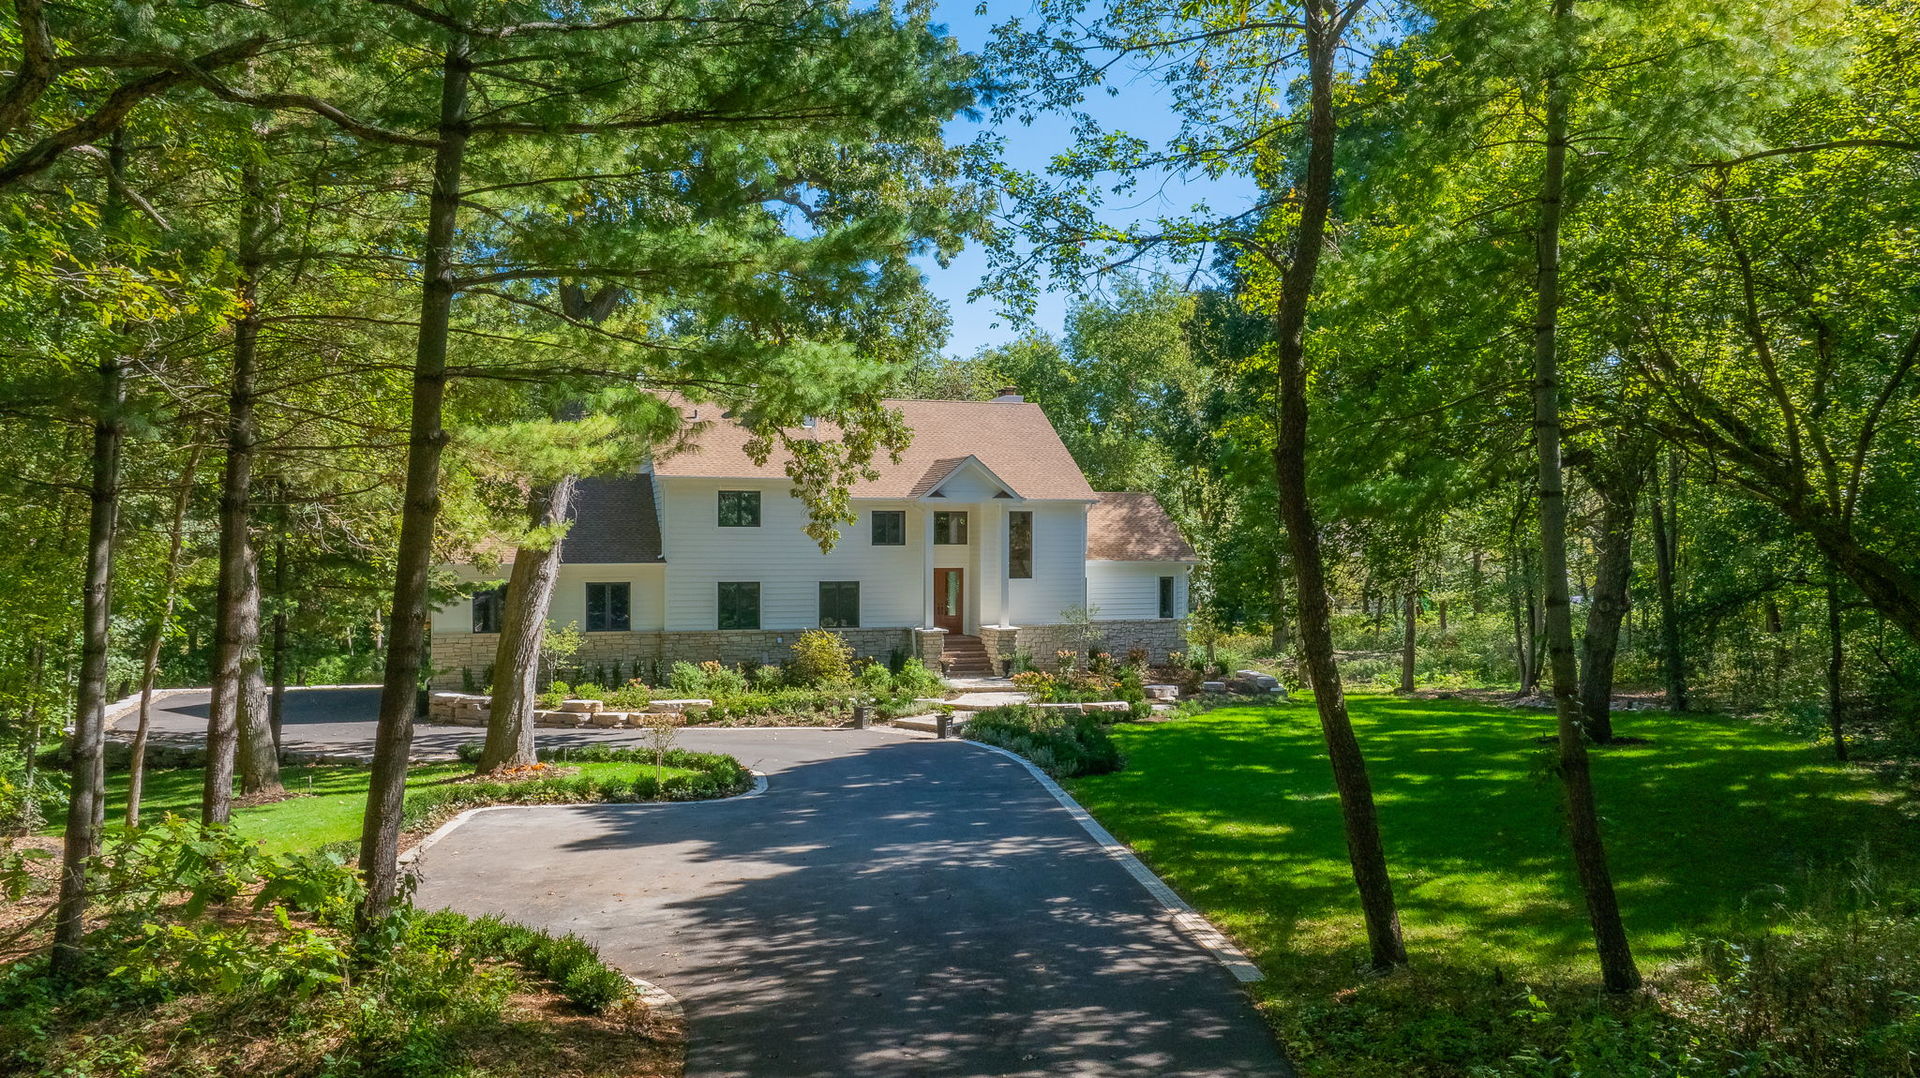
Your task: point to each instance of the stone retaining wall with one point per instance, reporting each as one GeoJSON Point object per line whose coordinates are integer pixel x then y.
{"type": "Point", "coordinates": [649, 654]}
{"type": "Point", "coordinates": [1157, 635]}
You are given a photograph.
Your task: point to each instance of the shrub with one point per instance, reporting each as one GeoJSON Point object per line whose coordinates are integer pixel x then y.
{"type": "Point", "coordinates": [633, 696]}
{"type": "Point", "coordinates": [1064, 744]}
{"type": "Point", "coordinates": [1133, 690]}
{"type": "Point", "coordinates": [820, 657]}
{"type": "Point", "coordinates": [686, 679]}
{"type": "Point", "coordinates": [916, 678]}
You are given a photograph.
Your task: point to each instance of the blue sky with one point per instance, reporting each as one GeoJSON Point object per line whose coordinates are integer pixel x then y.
{"type": "Point", "coordinates": [1139, 108]}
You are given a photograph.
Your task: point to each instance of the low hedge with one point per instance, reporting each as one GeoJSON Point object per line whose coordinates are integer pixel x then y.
{"type": "Point", "coordinates": [715, 775]}
{"type": "Point", "coordinates": [1063, 743]}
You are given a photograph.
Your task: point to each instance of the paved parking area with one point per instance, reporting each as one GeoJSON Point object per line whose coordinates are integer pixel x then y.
{"type": "Point", "coordinates": [891, 905]}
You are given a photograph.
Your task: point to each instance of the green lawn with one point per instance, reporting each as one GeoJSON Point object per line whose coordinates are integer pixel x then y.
{"type": "Point", "coordinates": [332, 802]}
{"type": "Point", "coordinates": [1236, 809]}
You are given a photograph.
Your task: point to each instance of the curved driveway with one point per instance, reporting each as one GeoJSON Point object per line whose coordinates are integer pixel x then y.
{"type": "Point", "coordinates": [892, 905]}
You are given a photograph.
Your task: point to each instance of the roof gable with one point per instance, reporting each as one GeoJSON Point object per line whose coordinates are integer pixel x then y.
{"type": "Point", "coordinates": [1012, 441]}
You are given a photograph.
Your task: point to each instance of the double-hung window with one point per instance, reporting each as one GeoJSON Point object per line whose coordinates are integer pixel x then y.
{"type": "Point", "coordinates": [609, 607]}
{"type": "Point", "coordinates": [950, 529]}
{"type": "Point", "coordinates": [839, 604]}
{"type": "Point", "coordinates": [889, 527]}
{"type": "Point", "coordinates": [739, 604]}
{"type": "Point", "coordinates": [1020, 545]}
{"type": "Point", "coordinates": [488, 606]}
{"type": "Point", "coordinates": [739, 509]}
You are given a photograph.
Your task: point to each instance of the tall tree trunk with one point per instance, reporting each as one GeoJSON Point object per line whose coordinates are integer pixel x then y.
{"type": "Point", "coordinates": [1411, 612]}
{"type": "Point", "coordinates": [1600, 646]}
{"type": "Point", "coordinates": [1440, 615]}
{"type": "Point", "coordinates": [30, 817]}
{"type": "Point", "coordinates": [1277, 602]}
{"type": "Point", "coordinates": [86, 799]}
{"type": "Point", "coordinates": [516, 660]}
{"type": "Point", "coordinates": [1666, 536]}
{"type": "Point", "coordinates": [176, 534]}
{"type": "Point", "coordinates": [1583, 818]}
{"type": "Point", "coordinates": [1836, 666]}
{"type": "Point", "coordinates": [234, 721]}
{"type": "Point", "coordinates": [393, 738]}
{"type": "Point", "coordinates": [1520, 656]}
{"type": "Point", "coordinates": [1530, 662]}
{"type": "Point", "coordinates": [1364, 847]}
{"type": "Point", "coordinates": [277, 708]}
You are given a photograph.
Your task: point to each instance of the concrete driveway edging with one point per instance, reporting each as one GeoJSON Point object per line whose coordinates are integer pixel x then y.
{"type": "Point", "coordinates": [408, 857]}
{"type": "Point", "coordinates": [1189, 921]}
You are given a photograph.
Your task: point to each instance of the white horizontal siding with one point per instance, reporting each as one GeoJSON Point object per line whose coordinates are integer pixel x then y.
{"type": "Point", "coordinates": [1059, 564]}
{"type": "Point", "coordinates": [647, 584]}
{"type": "Point", "coordinates": [779, 555]}
{"type": "Point", "coordinates": [1131, 589]}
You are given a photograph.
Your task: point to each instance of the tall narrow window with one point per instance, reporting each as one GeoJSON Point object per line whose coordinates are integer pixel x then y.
{"type": "Point", "coordinates": [608, 607]}
{"type": "Point", "coordinates": [889, 527]}
{"type": "Point", "coordinates": [1020, 545]}
{"type": "Point", "coordinates": [739, 509]}
{"type": "Point", "coordinates": [739, 604]}
{"type": "Point", "coordinates": [1166, 597]}
{"type": "Point", "coordinates": [839, 604]}
{"type": "Point", "coordinates": [487, 607]}
{"type": "Point", "coordinates": [950, 529]}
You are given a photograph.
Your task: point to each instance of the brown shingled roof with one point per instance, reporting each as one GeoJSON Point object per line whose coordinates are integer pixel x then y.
{"type": "Point", "coordinates": [1125, 526]}
{"type": "Point", "coordinates": [614, 523]}
{"type": "Point", "coordinates": [1013, 440]}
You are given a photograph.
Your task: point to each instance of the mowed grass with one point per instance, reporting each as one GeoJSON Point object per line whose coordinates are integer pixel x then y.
{"type": "Point", "coordinates": [329, 805]}
{"type": "Point", "coordinates": [1713, 821]}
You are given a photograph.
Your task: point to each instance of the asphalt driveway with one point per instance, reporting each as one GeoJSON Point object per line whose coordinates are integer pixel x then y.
{"type": "Point", "coordinates": [891, 905]}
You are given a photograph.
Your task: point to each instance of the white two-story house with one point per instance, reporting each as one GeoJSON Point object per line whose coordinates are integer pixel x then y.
{"type": "Point", "coordinates": [976, 544]}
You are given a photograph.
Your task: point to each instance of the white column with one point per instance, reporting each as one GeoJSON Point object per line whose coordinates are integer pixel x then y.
{"type": "Point", "coordinates": [926, 568]}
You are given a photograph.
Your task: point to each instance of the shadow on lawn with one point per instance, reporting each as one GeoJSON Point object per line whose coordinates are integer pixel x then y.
{"type": "Point", "coordinates": [1237, 808]}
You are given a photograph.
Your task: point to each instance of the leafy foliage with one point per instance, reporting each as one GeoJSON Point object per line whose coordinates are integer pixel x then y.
{"type": "Point", "coordinates": [1061, 742]}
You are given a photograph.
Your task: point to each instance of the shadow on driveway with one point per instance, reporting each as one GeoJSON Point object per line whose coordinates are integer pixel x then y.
{"type": "Point", "coordinates": [889, 907]}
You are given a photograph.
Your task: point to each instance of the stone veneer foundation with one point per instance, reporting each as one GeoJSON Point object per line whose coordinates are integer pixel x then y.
{"type": "Point", "coordinates": [642, 652]}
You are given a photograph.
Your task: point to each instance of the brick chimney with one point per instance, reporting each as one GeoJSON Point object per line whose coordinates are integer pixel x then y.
{"type": "Point", "coordinates": [1009, 395]}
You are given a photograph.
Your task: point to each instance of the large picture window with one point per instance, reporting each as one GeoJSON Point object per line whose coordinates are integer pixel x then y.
{"type": "Point", "coordinates": [1020, 545]}
{"type": "Point", "coordinates": [739, 509]}
{"type": "Point", "coordinates": [950, 529]}
{"type": "Point", "coordinates": [839, 604]}
{"type": "Point", "coordinates": [739, 604]}
{"type": "Point", "coordinates": [609, 608]}
{"type": "Point", "coordinates": [1166, 597]}
{"type": "Point", "coordinates": [889, 527]}
{"type": "Point", "coordinates": [488, 606]}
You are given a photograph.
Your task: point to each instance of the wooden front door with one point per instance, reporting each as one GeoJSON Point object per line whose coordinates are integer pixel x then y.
{"type": "Point", "coordinates": [949, 603]}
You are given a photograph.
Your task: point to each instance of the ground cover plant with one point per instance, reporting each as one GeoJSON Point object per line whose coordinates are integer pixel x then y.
{"type": "Point", "coordinates": [1063, 742]}
{"type": "Point", "coordinates": [209, 956]}
{"type": "Point", "coordinates": [1771, 892]}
